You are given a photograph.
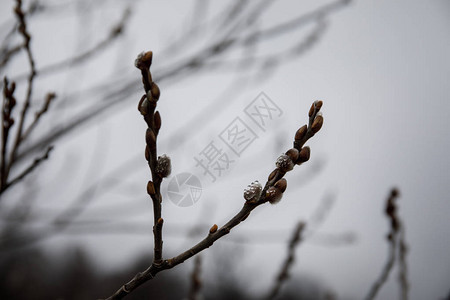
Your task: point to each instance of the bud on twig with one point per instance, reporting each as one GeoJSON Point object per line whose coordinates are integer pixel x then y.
{"type": "Point", "coordinates": [293, 154]}
{"type": "Point", "coordinates": [284, 163]}
{"type": "Point", "coordinates": [281, 184]}
{"type": "Point", "coordinates": [213, 229]}
{"type": "Point", "coordinates": [157, 120]}
{"type": "Point", "coordinates": [143, 60]}
{"type": "Point", "coordinates": [150, 188]}
{"type": "Point", "coordinates": [163, 166]}
{"type": "Point", "coordinates": [317, 123]}
{"type": "Point", "coordinates": [253, 191]}
{"type": "Point", "coordinates": [147, 153]}
{"type": "Point", "coordinates": [301, 132]}
{"type": "Point", "coordinates": [273, 195]}
{"type": "Point", "coordinates": [303, 155]}
{"type": "Point", "coordinates": [155, 91]}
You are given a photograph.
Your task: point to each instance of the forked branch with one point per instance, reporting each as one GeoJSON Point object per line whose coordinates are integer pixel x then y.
{"type": "Point", "coordinates": [254, 194]}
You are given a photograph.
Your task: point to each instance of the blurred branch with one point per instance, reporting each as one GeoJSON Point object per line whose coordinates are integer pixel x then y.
{"type": "Point", "coordinates": [88, 54]}
{"type": "Point", "coordinates": [196, 282]}
{"type": "Point", "coordinates": [289, 261]}
{"type": "Point", "coordinates": [396, 243]}
{"type": "Point", "coordinates": [29, 169]}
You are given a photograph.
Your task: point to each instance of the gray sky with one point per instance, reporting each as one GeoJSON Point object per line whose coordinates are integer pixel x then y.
{"type": "Point", "coordinates": [381, 69]}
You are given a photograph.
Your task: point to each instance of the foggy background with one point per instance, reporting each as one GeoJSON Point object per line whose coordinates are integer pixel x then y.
{"type": "Point", "coordinates": [380, 67]}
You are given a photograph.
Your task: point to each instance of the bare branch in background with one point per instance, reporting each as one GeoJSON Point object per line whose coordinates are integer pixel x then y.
{"type": "Point", "coordinates": [9, 101]}
{"type": "Point", "coordinates": [196, 281]}
{"type": "Point", "coordinates": [397, 243]}
{"type": "Point", "coordinates": [283, 276]}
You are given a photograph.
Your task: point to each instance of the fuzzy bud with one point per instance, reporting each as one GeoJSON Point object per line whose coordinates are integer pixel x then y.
{"type": "Point", "coordinates": [143, 60]}
{"type": "Point", "coordinates": [281, 184]}
{"type": "Point", "coordinates": [213, 229]}
{"type": "Point", "coordinates": [273, 195]}
{"type": "Point", "coordinates": [160, 222]}
{"type": "Point", "coordinates": [163, 166]}
{"type": "Point", "coordinates": [301, 132]}
{"type": "Point", "coordinates": [293, 154]}
{"type": "Point", "coordinates": [253, 191]}
{"type": "Point", "coordinates": [284, 163]}
{"type": "Point", "coordinates": [317, 123]}
{"type": "Point", "coordinates": [304, 155]}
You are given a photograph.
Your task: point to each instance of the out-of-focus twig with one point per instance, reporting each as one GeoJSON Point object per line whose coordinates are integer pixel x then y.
{"type": "Point", "coordinates": [396, 244]}
{"type": "Point", "coordinates": [85, 56]}
{"type": "Point", "coordinates": [196, 281]}
{"type": "Point", "coordinates": [283, 275]}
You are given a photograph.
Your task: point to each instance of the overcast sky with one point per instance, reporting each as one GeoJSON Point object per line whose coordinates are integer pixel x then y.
{"type": "Point", "coordinates": [382, 70]}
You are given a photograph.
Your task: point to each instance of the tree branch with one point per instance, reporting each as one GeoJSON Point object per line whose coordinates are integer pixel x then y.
{"type": "Point", "coordinates": [272, 192]}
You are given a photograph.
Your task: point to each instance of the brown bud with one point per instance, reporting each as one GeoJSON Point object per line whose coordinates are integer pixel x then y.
{"type": "Point", "coordinates": [147, 153]}
{"type": "Point", "coordinates": [272, 175]}
{"type": "Point", "coordinates": [273, 195]}
{"type": "Point", "coordinates": [281, 184]}
{"type": "Point", "coordinates": [311, 110]}
{"type": "Point", "coordinates": [144, 60]}
{"type": "Point", "coordinates": [303, 155]}
{"type": "Point", "coordinates": [155, 91]}
{"type": "Point", "coordinates": [150, 188]}
{"type": "Point", "coordinates": [301, 132]}
{"type": "Point", "coordinates": [140, 104]}
{"type": "Point", "coordinates": [157, 120]}
{"type": "Point", "coordinates": [317, 123]}
{"type": "Point", "coordinates": [318, 104]}
{"type": "Point", "coordinates": [147, 58]}
{"type": "Point", "coordinates": [152, 100]}
{"type": "Point", "coordinates": [213, 229]}
{"type": "Point", "coordinates": [150, 139]}
{"type": "Point", "coordinates": [293, 154]}
{"type": "Point", "coordinates": [160, 221]}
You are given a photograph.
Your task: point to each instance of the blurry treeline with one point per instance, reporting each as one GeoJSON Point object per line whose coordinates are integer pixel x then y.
{"type": "Point", "coordinates": [35, 274]}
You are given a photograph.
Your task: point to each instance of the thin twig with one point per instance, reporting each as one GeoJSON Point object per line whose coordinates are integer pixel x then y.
{"type": "Point", "coordinates": [114, 33]}
{"type": "Point", "coordinates": [391, 212]}
{"type": "Point", "coordinates": [196, 282]}
{"type": "Point", "coordinates": [27, 37]}
{"type": "Point", "coordinates": [403, 267]}
{"type": "Point", "coordinates": [48, 99]}
{"type": "Point", "coordinates": [9, 101]}
{"type": "Point", "coordinates": [288, 263]}
{"type": "Point", "coordinates": [29, 169]}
